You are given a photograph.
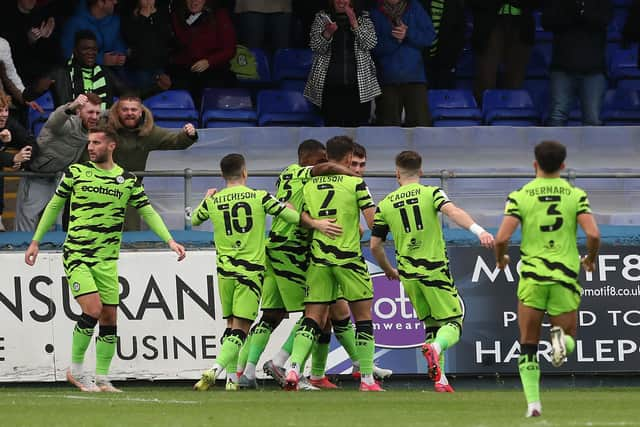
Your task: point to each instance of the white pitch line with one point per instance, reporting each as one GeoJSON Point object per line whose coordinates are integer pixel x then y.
{"type": "Point", "coordinates": [124, 399]}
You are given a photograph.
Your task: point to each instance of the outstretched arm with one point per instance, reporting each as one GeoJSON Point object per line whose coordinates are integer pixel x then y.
{"type": "Point", "coordinates": [328, 226]}
{"type": "Point", "coordinates": [48, 219]}
{"type": "Point", "coordinates": [330, 168]}
{"type": "Point", "coordinates": [464, 220]}
{"type": "Point", "coordinates": [155, 223]}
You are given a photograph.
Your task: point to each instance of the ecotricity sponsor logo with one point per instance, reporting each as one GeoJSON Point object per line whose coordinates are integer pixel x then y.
{"type": "Point", "coordinates": [611, 291]}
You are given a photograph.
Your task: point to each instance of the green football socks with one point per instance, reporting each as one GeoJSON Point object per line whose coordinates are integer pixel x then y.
{"type": "Point", "coordinates": [105, 348]}
{"type": "Point", "coordinates": [529, 372]}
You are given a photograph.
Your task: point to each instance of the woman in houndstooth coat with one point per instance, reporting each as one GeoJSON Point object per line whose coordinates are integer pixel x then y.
{"type": "Point", "coordinates": [343, 78]}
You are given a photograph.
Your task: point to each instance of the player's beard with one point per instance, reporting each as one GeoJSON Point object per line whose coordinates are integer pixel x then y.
{"type": "Point", "coordinates": [100, 158]}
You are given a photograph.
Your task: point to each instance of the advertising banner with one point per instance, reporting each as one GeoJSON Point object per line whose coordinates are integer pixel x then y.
{"type": "Point", "coordinates": [170, 323]}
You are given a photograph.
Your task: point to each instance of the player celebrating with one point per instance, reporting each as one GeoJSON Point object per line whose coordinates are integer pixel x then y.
{"type": "Point", "coordinates": [549, 209]}
{"type": "Point", "coordinates": [337, 265]}
{"type": "Point", "coordinates": [100, 191]}
{"type": "Point", "coordinates": [411, 214]}
{"type": "Point", "coordinates": [287, 261]}
{"type": "Point", "coordinates": [238, 216]}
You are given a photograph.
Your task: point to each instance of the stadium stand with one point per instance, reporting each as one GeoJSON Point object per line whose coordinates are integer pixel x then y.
{"type": "Point", "coordinates": [227, 108]}
{"type": "Point", "coordinates": [282, 108]}
{"type": "Point", "coordinates": [172, 108]}
{"type": "Point", "coordinates": [509, 108]}
{"type": "Point", "coordinates": [454, 108]}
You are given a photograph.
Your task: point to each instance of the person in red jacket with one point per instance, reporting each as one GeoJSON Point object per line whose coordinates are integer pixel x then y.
{"type": "Point", "coordinates": [206, 41]}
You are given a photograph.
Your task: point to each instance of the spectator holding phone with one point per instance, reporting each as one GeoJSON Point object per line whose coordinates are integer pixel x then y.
{"type": "Point", "coordinates": [343, 78]}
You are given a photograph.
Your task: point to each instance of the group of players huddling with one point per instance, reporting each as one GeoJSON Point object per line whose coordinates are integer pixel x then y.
{"type": "Point", "coordinates": [311, 261]}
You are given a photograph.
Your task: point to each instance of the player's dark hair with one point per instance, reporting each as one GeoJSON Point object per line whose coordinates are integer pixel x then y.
{"type": "Point", "coordinates": [338, 147]}
{"type": "Point", "coordinates": [232, 165]}
{"type": "Point", "coordinates": [409, 161]}
{"type": "Point", "coordinates": [550, 155]}
{"type": "Point", "coordinates": [105, 129]}
{"type": "Point", "coordinates": [84, 35]}
{"type": "Point", "coordinates": [359, 150]}
{"type": "Point", "coordinates": [93, 98]}
{"type": "Point", "coordinates": [309, 146]}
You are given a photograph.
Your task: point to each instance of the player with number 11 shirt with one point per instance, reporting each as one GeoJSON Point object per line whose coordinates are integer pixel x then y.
{"type": "Point", "coordinates": [411, 214]}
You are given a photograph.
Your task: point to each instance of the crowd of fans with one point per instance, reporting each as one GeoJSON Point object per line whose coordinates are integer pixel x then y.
{"type": "Point", "coordinates": [387, 52]}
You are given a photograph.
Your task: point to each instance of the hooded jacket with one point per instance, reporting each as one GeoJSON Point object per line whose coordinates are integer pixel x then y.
{"type": "Point", "coordinates": [135, 144]}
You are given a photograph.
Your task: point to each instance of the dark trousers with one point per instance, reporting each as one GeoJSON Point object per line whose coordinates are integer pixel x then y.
{"type": "Point", "coordinates": [412, 97]}
{"type": "Point", "coordinates": [341, 106]}
{"type": "Point", "coordinates": [504, 47]}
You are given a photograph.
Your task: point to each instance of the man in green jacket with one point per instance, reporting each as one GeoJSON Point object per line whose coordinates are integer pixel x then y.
{"type": "Point", "coordinates": [138, 135]}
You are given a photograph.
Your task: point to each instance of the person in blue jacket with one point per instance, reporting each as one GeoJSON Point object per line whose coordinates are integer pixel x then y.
{"type": "Point", "coordinates": [404, 31]}
{"type": "Point", "coordinates": [98, 17]}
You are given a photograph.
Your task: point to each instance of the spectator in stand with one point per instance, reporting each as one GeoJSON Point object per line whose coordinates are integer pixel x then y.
{"type": "Point", "coordinates": [147, 32]}
{"type": "Point", "coordinates": [138, 136]}
{"type": "Point", "coordinates": [206, 42]}
{"type": "Point", "coordinates": [83, 75]}
{"type": "Point", "coordinates": [12, 136]}
{"type": "Point", "coordinates": [448, 18]}
{"type": "Point", "coordinates": [343, 79]}
{"type": "Point", "coordinates": [264, 24]}
{"type": "Point", "coordinates": [30, 30]}
{"type": "Point", "coordinates": [61, 142]}
{"type": "Point", "coordinates": [631, 31]}
{"type": "Point", "coordinates": [98, 18]}
{"type": "Point", "coordinates": [578, 60]}
{"type": "Point", "coordinates": [404, 31]}
{"type": "Point", "coordinates": [503, 34]}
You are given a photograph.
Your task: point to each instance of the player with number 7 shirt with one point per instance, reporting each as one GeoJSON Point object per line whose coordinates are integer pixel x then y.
{"type": "Point", "coordinates": [238, 215]}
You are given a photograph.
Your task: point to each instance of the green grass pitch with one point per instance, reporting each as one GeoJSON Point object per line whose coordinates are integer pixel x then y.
{"type": "Point", "coordinates": [179, 406]}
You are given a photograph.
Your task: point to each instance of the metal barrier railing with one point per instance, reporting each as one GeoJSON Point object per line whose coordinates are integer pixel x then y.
{"type": "Point", "coordinates": [444, 176]}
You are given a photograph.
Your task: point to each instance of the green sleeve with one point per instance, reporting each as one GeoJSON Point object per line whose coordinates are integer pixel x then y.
{"type": "Point", "coordinates": [163, 139]}
{"type": "Point", "coordinates": [201, 214]}
{"type": "Point", "coordinates": [49, 216]}
{"type": "Point", "coordinates": [155, 223]}
{"type": "Point", "coordinates": [583, 203]}
{"type": "Point", "coordinates": [511, 208]}
{"type": "Point", "coordinates": [289, 215]}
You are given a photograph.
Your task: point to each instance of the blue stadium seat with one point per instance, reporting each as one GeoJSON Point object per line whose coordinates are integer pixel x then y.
{"type": "Point", "coordinates": [222, 107]}
{"type": "Point", "coordinates": [633, 84]}
{"type": "Point", "coordinates": [623, 63]}
{"type": "Point", "coordinates": [454, 108]}
{"type": "Point", "coordinates": [293, 64]}
{"type": "Point", "coordinates": [621, 107]}
{"type": "Point", "coordinates": [295, 85]}
{"type": "Point", "coordinates": [264, 70]}
{"type": "Point", "coordinates": [36, 119]}
{"type": "Point", "coordinates": [501, 107]}
{"type": "Point", "coordinates": [172, 108]}
{"type": "Point", "coordinates": [285, 108]}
